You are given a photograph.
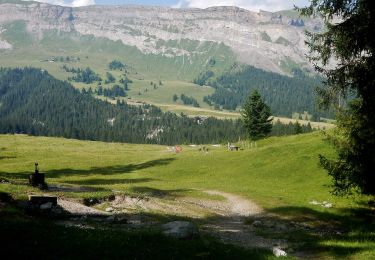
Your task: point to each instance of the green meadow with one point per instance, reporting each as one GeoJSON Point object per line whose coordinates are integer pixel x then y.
{"type": "Point", "coordinates": [281, 175]}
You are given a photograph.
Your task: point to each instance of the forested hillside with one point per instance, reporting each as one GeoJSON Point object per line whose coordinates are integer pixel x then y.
{"type": "Point", "coordinates": [286, 95]}
{"type": "Point", "coordinates": [33, 102]}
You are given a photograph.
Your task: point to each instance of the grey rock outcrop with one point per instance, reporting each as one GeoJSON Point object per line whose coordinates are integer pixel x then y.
{"type": "Point", "coordinates": [150, 28]}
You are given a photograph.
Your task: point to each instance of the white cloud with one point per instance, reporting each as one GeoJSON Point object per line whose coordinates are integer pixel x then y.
{"type": "Point", "coordinates": [72, 3]}
{"type": "Point", "coordinates": [77, 3]}
{"type": "Point", "coordinates": [254, 5]}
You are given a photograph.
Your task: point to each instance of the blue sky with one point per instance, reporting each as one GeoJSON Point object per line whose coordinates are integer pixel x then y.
{"type": "Point", "coordinates": [255, 5]}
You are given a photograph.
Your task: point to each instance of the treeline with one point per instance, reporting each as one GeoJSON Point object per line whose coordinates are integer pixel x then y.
{"type": "Point", "coordinates": [66, 59]}
{"type": "Point", "coordinates": [116, 65]}
{"type": "Point", "coordinates": [113, 92]}
{"type": "Point", "coordinates": [35, 103]}
{"type": "Point", "coordinates": [189, 100]}
{"type": "Point", "coordinates": [280, 129]}
{"type": "Point", "coordinates": [87, 75]}
{"type": "Point", "coordinates": [203, 77]}
{"type": "Point", "coordinates": [285, 95]}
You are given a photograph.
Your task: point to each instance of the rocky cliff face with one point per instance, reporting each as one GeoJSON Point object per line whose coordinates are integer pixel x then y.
{"type": "Point", "coordinates": [262, 39]}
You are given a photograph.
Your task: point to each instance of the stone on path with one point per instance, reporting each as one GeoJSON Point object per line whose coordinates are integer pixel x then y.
{"type": "Point", "coordinates": [180, 229]}
{"type": "Point", "coordinates": [278, 252]}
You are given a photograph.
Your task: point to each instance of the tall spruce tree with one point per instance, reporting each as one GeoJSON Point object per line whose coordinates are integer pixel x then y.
{"type": "Point", "coordinates": [348, 38]}
{"type": "Point", "coordinates": [256, 116]}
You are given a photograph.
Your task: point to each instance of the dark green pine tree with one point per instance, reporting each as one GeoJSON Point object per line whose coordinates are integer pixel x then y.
{"type": "Point", "coordinates": [257, 117]}
{"type": "Point", "coordinates": [297, 128]}
{"type": "Point", "coordinates": [349, 41]}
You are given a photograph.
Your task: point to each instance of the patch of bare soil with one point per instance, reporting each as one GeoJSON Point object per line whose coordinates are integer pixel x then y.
{"type": "Point", "coordinates": [78, 209]}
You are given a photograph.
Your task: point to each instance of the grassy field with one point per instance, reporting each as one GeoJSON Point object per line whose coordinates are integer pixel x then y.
{"type": "Point", "coordinates": [281, 175]}
{"type": "Point", "coordinates": [164, 93]}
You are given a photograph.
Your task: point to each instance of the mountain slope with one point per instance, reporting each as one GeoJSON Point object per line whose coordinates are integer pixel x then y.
{"type": "Point", "coordinates": [262, 39]}
{"type": "Point", "coordinates": [156, 44]}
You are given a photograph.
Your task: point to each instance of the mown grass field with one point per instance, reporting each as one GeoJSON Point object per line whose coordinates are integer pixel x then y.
{"type": "Point", "coordinates": [281, 175]}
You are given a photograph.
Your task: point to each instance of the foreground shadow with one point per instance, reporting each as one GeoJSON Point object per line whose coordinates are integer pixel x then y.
{"type": "Point", "coordinates": [158, 193]}
{"type": "Point", "coordinates": [110, 170]}
{"type": "Point", "coordinates": [102, 181]}
{"type": "Point", "coordinates": [338, 234]}
{"type": "Point", "coordinates": [81, 237]}
{"type": "Point", "coordinates": [309, 233]}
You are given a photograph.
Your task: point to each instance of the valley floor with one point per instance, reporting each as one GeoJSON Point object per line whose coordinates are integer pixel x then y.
{"type": "Point", "coordinates": [256, 199]}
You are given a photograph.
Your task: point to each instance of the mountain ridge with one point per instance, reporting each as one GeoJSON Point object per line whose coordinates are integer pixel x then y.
{"type": "Point", "coordinates": [263, 40]}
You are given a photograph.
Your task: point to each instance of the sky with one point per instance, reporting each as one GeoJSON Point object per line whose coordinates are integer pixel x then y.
{"type": "Point", "coordinates": [254, 5]}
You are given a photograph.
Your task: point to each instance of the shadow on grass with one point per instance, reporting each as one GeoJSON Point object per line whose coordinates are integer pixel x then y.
{"type": "Point", "coordinates": [153, 192]}
{"type": "Point", "coordinates": [89, 182]}
{"type": "Point", "coordinates": [110, 170]}
{"type": "Point", "coordinates": [340, 234]}
{"type": "Point", "coordinates": [7, 157]}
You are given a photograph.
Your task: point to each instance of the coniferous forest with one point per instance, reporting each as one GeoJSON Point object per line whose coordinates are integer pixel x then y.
{"type": "Point", "coordinates": [285, 95]}
{"type": "Point", "coordinates": [35, 103]}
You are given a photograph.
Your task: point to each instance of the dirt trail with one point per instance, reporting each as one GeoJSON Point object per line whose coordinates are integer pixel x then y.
{"type": "Point", "coordinates": [231, 227]}
{"type": "Point", "coordinates": [223, 219]}
{"type": "Point", "coordinates": [238, 205]}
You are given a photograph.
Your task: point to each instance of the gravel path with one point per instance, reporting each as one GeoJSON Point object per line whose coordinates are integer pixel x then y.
{"type": "Point", "coordinates": [231, 228]}
{"type": "Point", "coordinates": [223, 219]}
{"type": "Point", "coordinates": [238, 206]}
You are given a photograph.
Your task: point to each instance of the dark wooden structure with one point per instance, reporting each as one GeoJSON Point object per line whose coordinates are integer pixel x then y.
{"type": "Point", "coordinates": [37, 179]}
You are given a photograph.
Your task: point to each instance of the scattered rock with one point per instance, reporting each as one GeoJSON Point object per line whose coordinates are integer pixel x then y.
{"type": "Point", "coordinates": [327, 205]}
{"type": "Point", "coordinates": [180, 229]}
{"type": "Point", "coordinates": [281, 226]}
{"type": "Point", "coordinates": [109, 209]}
{"type": "Point", "coordinates": [278, 252]}
{"type": "Point", "coordinates": [324, 204]}
{"type": "Point", "coordinates": [117, 219]}
{"type": "Point", "coordinates": [122, 220]}
{"type": "Point", "coordinates": [91, 201]}
{"type": "Point", "coordinates": [46, 206]}
{"type": "Point", "coordinates": [111, 218]}
{"type": "Point", "coordinates": [257, 223]}
{"type": "Point", "coordinates": [4, 181]}
{"type": "Point", "coordinates": [269, 224]}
